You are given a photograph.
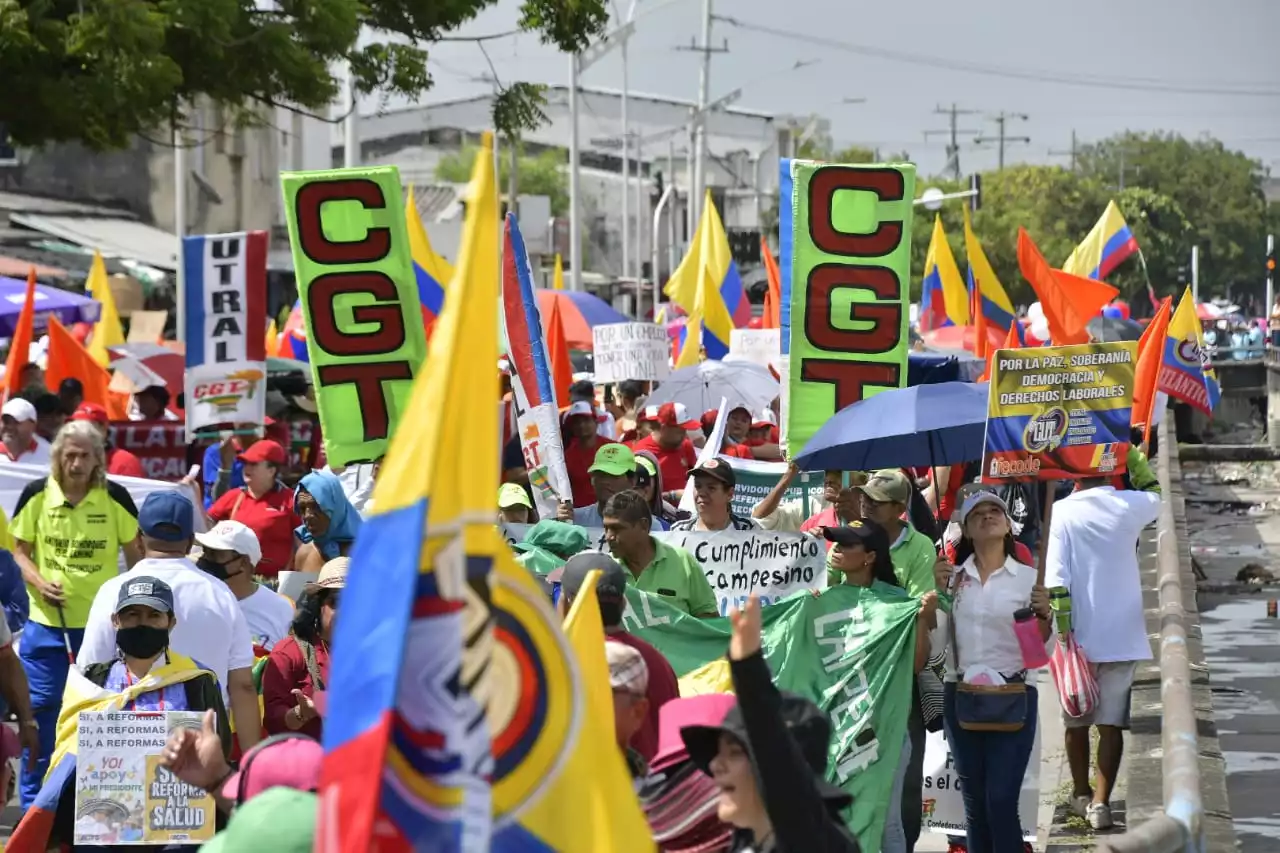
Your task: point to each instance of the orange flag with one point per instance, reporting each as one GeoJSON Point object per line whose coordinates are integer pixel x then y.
{"type": "Point", "coordinates": [20, 344]}
{"type": "Point", "coordinates": [981, 343]}
{"type": "Point", "coordinates": [1010, 342]}
{"type": "Point", "coordinates": [1069, 301]}
{"type": "Point", "coordinates": [772, 318]}
{"type": "Point", "coordinates": [1146, 380]}
{"type": "Point", "coordinates": [69, 359]}
{"type": "Point", "coordinates": [558, 352]}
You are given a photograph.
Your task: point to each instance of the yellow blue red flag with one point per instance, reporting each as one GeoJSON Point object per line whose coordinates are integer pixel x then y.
{"type": "Point", "coordinates": [994, 301]}
{"type": "Point", "coordinates": [1104, 248]}
{"type": "Point", "coordinates": [456, 718]}
{"type": "Point", "coordinates": [1186, 372]}
{"type": "Point", "coordinates": [707, 286]}
{"type": "Point", "coordinates": [943, 298]}
{"type": "Point", "coordinates": [432, 272]}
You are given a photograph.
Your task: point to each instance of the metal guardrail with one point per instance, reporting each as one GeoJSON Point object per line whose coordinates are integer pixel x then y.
{"type": "Point", "coordinates": [1179, 829]}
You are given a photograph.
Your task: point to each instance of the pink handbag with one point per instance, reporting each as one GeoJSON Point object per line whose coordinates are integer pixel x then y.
{"type": "Point", "coordinates": [1073, 676]}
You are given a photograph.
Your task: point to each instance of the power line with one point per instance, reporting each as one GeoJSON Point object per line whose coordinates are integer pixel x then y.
{"type": "Point", "coordinates": [1073, 152]}
{"type": "Point", "coordinates": [1002, 138]}
{"type": "Point", "coordinates": [1141, 84]}
{"type": "Point", "coordinates": [953, 134]}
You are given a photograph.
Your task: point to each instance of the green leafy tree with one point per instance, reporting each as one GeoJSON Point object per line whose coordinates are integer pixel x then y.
{"type": "Point", "coordinates": [1219, 190]}
{"type": "Point", "coordinates": [101, 71]}
{"type": "Point", "coordinates": [540, 174]}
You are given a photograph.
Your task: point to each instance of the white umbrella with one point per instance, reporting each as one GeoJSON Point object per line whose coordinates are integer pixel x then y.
{"type": "Point", "coordinates": [700, 387]}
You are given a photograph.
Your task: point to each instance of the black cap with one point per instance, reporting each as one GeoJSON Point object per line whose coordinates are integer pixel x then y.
{"type": "Point", "coordinates": [806, 723]}
{"type": "Point", "coordinates": [717, 469]}
{"type": "Point", "coordinates": [613, 578]}
{"type": "Point", "coordinates": [860, 531]}
{"type": "Point", "coordinates": [146, 591]}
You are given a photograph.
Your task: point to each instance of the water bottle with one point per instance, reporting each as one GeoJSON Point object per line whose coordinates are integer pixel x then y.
{"type": "Point", "coordinates": [1060, 603]}
{"type": "Point", "coordinates": [1027, 629]}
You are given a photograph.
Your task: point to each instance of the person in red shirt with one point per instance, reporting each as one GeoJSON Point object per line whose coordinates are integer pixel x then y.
{"type": "Point", "coordinates": [581, 441]}
{"type": "Point", "coordinates": [670, 444]}
{"type": "Point", "coordinates": [295, 680]}
{"type": "Point", "coordinates": [728, 447]}
{"type": "Point", "coordinates": [263, 504]}
{"type": "Point", "coordinates": [611, 590]}
{"type": "Point", "coordinates": [120, 462]}
{"type": "Point", "coordinates": [646, 425]}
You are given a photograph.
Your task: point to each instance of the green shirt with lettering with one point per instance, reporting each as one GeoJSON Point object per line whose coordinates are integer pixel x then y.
{"type": "Point", "coordinates": [77, 546]}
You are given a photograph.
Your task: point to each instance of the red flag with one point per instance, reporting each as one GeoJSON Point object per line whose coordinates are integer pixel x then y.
{"type": "Point", "coordinates": [20, 344]}
{"type": "Point", "coordinates": [68, 359]}
{"type": "Point", "coordinates": [1146, 377]}
{"type": "Point", "coordinates": [772, 318]}
{"type": "Point", "coordinates": [1011, 341]}
{"type": "Point", "coordinates": [981, 343]}
{"type": "Point", "coordinates": [558, 352]}
{"type": "Point", "coordinates": [1069, 301]}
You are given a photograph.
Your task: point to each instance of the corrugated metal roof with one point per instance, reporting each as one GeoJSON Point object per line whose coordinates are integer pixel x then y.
{"type": "Point", "coordinates": [24, 203]}
{"type": "Point", "coordinates": [18, 268]}
{"type": "Point", "coordinates": [122, 238]}
{"type": "Point", "coordinates": [435, 200]}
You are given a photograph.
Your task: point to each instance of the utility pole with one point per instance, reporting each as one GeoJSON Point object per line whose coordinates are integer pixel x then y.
{"type": "Point", "coordinates": [699, 183]}
{"type": "Point", "coordinates": [575, 224]}
{"type": "Point", "coordinates": [1072, 153]}
{"type": "Point", "coordinates": [953, 134]}
{"type": "Point", "coordinates": [1002, 138]}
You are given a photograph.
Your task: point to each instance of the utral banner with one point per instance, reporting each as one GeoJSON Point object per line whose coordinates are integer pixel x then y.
{"type": "Point", "coordinates": [1059, 413]}
{"type": "Point", "coordinates": [846, 287]}
{"type": "Point", "coordinates": [225, 280]}
{"type": "Point", "coordinates": [738, 563]}
{"type": "Point", "coordinates": [359, 297]}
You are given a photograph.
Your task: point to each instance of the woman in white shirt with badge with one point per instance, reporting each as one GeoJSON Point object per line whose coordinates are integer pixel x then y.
{"type": "Point", "coordinates": [1000, 616]}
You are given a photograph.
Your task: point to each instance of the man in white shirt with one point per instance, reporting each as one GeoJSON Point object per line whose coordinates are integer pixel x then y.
{"type": "Point", "coordinates": [1092, 552]}
{"type": "Point", "coordinates": [18, 439]}
{"type": "Point", "coordinates": [211, 629]}
{"type": "Point", "coordinates": [230, 552]}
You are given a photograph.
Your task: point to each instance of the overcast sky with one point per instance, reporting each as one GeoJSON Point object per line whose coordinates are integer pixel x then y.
{"type": "Point", "coordinates": [1206, 53]}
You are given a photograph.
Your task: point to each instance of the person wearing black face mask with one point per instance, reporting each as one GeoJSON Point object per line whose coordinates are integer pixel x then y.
{"type": "Point", "coordinates": [230, 552]}
{"type": "Point", "coordinates": [148, 676]}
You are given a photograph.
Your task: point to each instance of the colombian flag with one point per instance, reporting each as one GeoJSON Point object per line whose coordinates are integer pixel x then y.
{"type": "Point", "coordinates": [994, 302]}
{"type": "Point", "coordinates": [943, 299]}
{"type": "Point", "coordinates": [707, 286]}
{"type": "Point", "coordinates": [431, 271]}
{"type": "Point", "coordinates": [32, 834]}
{"type": "Point", "coordinates": [459, 714]}
{"type": "Point", "coordinates": [1186, 372]}
{"type": "Point", "coordinates": [1104, 248]}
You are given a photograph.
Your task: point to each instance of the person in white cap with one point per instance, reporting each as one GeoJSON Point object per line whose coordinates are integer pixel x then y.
{"type": "Point", "coordinates": [230, 551]}
{"type": "Point", "coordinates": [18, 439]}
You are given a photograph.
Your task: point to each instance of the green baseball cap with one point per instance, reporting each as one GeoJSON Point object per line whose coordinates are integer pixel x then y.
{"type": "Point", "coordinates": [278, 819]}
{"type": "Point", "coordinates": [513, 494]}
{"type": "Point", "coordinates": [614, 459]}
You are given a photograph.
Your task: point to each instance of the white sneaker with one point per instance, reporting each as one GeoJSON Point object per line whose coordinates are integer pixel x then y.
{"type": "Point", "coordinates": [1080, 805]}
{"type": "Point", "coordinates": [1099, 816]}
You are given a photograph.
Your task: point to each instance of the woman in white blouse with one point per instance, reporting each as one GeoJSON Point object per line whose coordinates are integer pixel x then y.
{"type": "Point", "coordinates": [989, 587]}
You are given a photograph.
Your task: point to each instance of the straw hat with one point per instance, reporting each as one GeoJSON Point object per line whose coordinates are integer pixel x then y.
{"type": "Point", "coordinates": [333, 575]}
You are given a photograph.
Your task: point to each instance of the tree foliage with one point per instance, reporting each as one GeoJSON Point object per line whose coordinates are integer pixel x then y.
{"type": "Point", "coordinates": [1177, 194]}
{"type": "Point", "coordinates": [539, 174]}
{"type": "Point", "coordinates": [101, 71]}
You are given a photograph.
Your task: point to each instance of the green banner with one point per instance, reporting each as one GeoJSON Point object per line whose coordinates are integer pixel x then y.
{"type": "Point", "coordinates": [850, 650]}
{"type": "Point", "coordinates": [359, 294]}
{"type": "Point", "coordinates": [849, 265]}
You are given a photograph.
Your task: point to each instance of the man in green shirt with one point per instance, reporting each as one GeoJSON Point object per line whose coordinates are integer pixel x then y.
{"type": "Point", "coordinates": [885, 497]}
{"type": "Point", "coordinates": [656, 567]}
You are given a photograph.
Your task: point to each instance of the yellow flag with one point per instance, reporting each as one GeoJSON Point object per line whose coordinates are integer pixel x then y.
{"type": "Point", "coordinates": [557, 278]}
{"type": "Point", "coordinates": [107, 331]}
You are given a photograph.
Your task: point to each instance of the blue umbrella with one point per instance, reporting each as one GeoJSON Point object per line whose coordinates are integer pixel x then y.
{"type": "Point", "coordinates": [68, 307]}
{"type": "Point", "coordinates": [940, 424]}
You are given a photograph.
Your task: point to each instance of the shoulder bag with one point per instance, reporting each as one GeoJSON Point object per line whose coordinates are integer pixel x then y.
{"type": "Point", "coordinates": [987, 707]}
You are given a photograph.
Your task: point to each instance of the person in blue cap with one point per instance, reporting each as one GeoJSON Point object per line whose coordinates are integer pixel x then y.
{"type": "Point", "coordinates": [211, 628]}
